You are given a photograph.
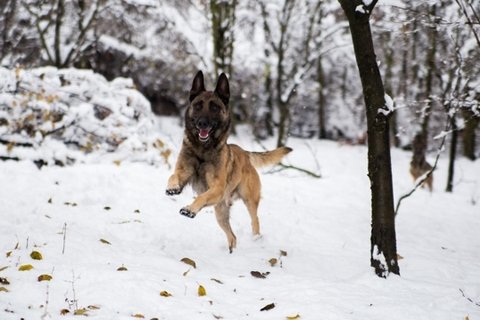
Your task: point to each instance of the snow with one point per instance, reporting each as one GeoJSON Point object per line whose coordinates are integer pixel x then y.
{"type": "Point", "coordinates": [322, 224]}
{"type": "Point", "coordinates": [61, 107]}
{"type": "Point", "coordinates": [360, 9]}
{"type": "Point", "coordinates": [108, 211]}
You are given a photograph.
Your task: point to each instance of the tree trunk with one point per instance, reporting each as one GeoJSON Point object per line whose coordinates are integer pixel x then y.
{"type": "Point", "coordinates": [58, 30]}
{"type": "Point", "coordinates": [471, 123]}
{"type": "Point", "coordinates": [430, 73]}
{"type": "Point", "coordinates": [383, 252]}
{"type": "Point", "coordinates": [389, 88]}
{"type": "Point", "coordinates": [223, 21]}
{"type": "Point", "coordinates": [453, 152]}
{"type": "Point", "coordinates": [322, 131]}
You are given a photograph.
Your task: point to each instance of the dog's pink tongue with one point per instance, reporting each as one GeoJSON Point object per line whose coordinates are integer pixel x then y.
{"type": "Point", "coordinates": [203, 133]}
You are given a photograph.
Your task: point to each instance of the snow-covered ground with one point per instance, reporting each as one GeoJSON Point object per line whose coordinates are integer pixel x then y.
{"type": "Point", "coordinates": [90, 219]}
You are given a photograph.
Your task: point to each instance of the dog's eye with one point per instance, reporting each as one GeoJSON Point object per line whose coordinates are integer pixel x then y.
{"type": "Point", "coordinates": [197, 106]}
{"type": "Point", "coordinates": [214, 107]}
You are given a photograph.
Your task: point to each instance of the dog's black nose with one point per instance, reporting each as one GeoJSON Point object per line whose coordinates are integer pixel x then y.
{"type": "Point", "coordinates": [202, 123]}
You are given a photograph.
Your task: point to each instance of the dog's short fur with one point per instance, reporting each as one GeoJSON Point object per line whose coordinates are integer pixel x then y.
{"type": "Point", "coordinates": [218, 172]}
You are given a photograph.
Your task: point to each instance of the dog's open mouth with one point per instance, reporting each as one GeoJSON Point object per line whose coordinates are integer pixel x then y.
{"type": "Point", "coordinates": [204, 134]}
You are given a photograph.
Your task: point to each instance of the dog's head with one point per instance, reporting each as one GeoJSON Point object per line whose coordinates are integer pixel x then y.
{"type": "Point", "coordinates": [207, 119]}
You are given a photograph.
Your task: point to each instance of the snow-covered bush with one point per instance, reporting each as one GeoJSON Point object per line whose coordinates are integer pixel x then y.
{"type": "Point", "coordinates": [62, 116]}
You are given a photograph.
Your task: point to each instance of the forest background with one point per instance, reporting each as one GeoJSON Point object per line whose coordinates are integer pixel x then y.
{"type": "Point", "coordinates": [291, 64]}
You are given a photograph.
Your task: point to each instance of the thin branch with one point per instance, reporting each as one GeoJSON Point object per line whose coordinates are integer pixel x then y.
{"type": "Point", "coordinates": [469, 299]}
{"type": "Point", "coordinates": [308, 172]}
{"type": "Point", "coordinates": [428, 174]}
{"type": "Point", "coordinates": [83, 32]}
{"type": "Point", "coordinates": [465, 13]}
{"type": "Point", "coordinates": [287, 166]}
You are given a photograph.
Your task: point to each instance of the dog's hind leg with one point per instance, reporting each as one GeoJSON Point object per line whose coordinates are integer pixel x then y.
{"type": "Point", "coordinates": [222, 212]}
{"type": "Point", "coordinates": [250, 193]}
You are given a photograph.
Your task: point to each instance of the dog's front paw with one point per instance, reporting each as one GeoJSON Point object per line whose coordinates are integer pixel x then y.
{"type": "Point", "coordinates": [173, 191]}
{"type": "Point", "coordinates": [187, 213]}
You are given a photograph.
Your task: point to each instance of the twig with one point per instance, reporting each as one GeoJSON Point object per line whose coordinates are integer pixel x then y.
{"type": "Point", "coordinates": [425, 176]}
{"type": "Point", "coordinates": [64, 237]}
{"type": "Point", "coordinates": [46, 315]}
{"type": "Point", "coordinates": [310, 173]}
{"type": "Point", "coordinates": [286, 166]}
{"type": "Point", "coordinates": [469, 299]}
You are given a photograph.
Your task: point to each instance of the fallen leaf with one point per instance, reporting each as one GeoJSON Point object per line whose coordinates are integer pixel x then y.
{"type": "Point", "coordinates": [8, 254]}
{"type": "Point", "coordinates": [216, 280]}
{"type": "Point", "coordinates": [50, 200]}
{"type": "Point", "coordinates": [122, 268]}
{"type": "Point", "coordinates": [297, 316]}
{"type": "Point", "coordinates": [201, 291]}
{"type": "Point", "coordinates": [139, 315]}
{"type": "Point", "coordinates": [25, 267]}
{"type": "Point", "coordinates": [81, 312]}
{"type": "Point", "coordinates": [165, 294]}
{"type": "Point", "coordinates": [217, 317]}
{"type": "Point", "coordinates": [93, 307]}
{"type": "Point", "coordinates": [64, 312]}
{"type": "Point", "coordinates": [4, 281]}
{"type": "Point", "coordinates": [399, 257]}
{"type": "Point", "coordinates": [104, 241]}
{"type": "Point", "coordinates": [3, 268]}
{"type": "Point", "coordinates": [44, 277]}
{"type": "Point", "coordinates": [268, 307]}
{"type": "Point", "coordinates": [35, 255]}
{"type": "Point", "coordinates": [136, 211]}
{"type": "Point", "coordinates": [260, 275]}
{"type": "Point", "coordinates": [283, 253]}
{"type": "Point", "coordinates": [3, 289]}
{"type": "Point", "coordinates": [186, 272]}
{"type": "Point", "coordinates": [117, 162]}
{"type": "Point", "coordinates": [189, 262]}
{"type": "Point", "coordinates": [273, 261]}
{"type": "Point", "coordinates": [107, 208]}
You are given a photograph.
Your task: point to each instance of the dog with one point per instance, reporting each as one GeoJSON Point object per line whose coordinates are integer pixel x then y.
{"type": "Point", "coordinates": [218, 172]}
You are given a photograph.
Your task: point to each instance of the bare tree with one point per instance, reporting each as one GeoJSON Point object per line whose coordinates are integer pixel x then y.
{"type": "Point", "coordinates": [294, 58]}
{"type": "Point", "coordinates": [383, 252]}
{"type": "Point", "coordinates": [63, 43]}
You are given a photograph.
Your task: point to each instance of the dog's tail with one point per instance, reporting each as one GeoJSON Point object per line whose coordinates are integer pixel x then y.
{"type": "Point", "coordinates": [268, 158]}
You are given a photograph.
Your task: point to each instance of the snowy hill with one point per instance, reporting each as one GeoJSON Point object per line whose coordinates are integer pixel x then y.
{"type": "Point", "coordinates": [113, 243]}
{"type": "Point", "coordinates": [63, 116]}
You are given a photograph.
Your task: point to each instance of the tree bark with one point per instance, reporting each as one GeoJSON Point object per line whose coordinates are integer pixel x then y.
{"type": "Point", "coordinates": [429, 79]}
{"type": "Point", "coordinates": [322, 131]}
{"type": "Point", "coordinates": [383, 252]}
{"type": "Point", "coordinates": [468, 137]}
{"type": "Point", "coordinates": [453, 152]}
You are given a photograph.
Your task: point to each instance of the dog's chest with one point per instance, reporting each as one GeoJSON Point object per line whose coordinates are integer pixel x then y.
{"type": "Point", "coordinates": [199, 178]}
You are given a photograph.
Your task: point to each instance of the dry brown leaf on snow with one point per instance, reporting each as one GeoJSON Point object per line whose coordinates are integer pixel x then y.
{"type": "Point", "coordinates": [268, 307]}
{"type": "Point", "coordinates": [44, 277]}
{"type": "Point", "coordinates": [35, 255]}
{"type": "Point", "coordinates": [260, 275]}
{"type": "Point", "coordinates": [273, 261]}
{"type": "Point", "coordinates": [201, 291]}
{"type": "Point", "coordinates": [104, 241]}
{"type": "Point", "coordinates": [165, 294]}
{"type": "Point", "coordinates": [189, 262]}
{"type": "Point", "coordinates": [25, 267]}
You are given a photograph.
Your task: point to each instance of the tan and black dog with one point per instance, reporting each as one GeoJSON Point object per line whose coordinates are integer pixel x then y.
{"type": "Point", "coordinates": [218, 172]}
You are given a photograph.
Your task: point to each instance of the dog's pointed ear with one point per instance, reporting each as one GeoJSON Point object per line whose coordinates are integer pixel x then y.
{"type": "Point", "coordinates": [222, 90]}
{"type": "Point", "coordinates": [198, 86]}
